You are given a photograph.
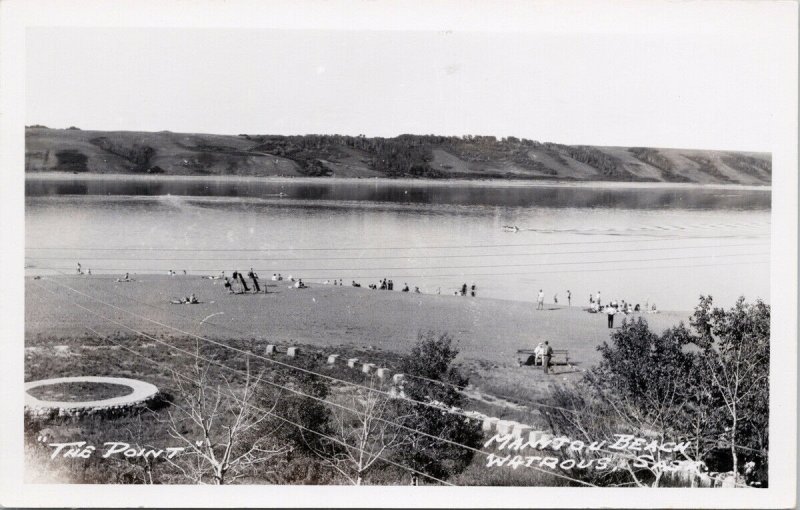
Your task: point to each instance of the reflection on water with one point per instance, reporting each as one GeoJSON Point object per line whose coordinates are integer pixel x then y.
{"type": "Point", "coordinates": [415, 193]}
{"type": "Point", "coordinates": [662, 246]}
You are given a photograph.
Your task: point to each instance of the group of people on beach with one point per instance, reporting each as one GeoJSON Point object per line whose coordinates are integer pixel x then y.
{"type": "Point", "coordinates": [540, 299]}
{"type": "Point", "coordinates": [80, 270]}
{"type": "Point", "coordinates": [237, 284]}
{"type": "Point", "coordinates": [473, 289]}
{"type": "Point", "coordinates": [615, 307]}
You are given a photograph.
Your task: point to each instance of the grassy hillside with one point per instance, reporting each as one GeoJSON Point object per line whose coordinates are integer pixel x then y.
{"type": "Point", "coordinates": [420, 156]}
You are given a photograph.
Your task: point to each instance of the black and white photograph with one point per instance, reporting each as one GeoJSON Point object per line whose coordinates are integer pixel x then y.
{"type": "Point", "coordinates": [374, 253]}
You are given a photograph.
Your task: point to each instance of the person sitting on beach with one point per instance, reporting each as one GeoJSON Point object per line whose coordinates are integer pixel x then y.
{"type": "Point", "coordinates": [356, 284]}
{"type": "Point", "coordinates": [340, 282]}
{"type": "Point", "coordinates": [405, 287]}
{"type": "Point", "coordinates": [89, 272]}
{"type": "Point", "coordinates": [653, 309]}
{"type": "Point", "coordinates": [473, 289]}
{"type": "Point", "coordinates": [390, 285]}
{"type": "Point", "coordinates": [192, 300]}
{"type": "Point", "coordinates": [228, 286]}
{"type": "Point", "coordinates": [373, 286]}
{"type": "Point", "coordinates": [383, 284]}
{"type": "Point", "coordinates": [636, 308]}
{"type": "Point", "coordinates": [416, 290]}
{"type": "Point", "coordinates": [274, 277]}
{"type": "Point", "coordinates": [538, 352]}
{"type": "Point", "coordinates": [299, 284]}
{"type": "Point", "coordinates": [335, 282]}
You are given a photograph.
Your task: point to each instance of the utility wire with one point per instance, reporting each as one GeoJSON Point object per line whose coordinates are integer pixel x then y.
{"type": "Point", "coordinates": [533, 254]}
{"type": "Point", "coordinates": [438, 408]}
{"type": "Point", "coordinates": [323, 401]}
{"type": "Point", "coordinates": [371, 248]}
{"type": "Point", "coordinates": [272, 413]}
{"type": "Point", "coordinates": [517, 273]}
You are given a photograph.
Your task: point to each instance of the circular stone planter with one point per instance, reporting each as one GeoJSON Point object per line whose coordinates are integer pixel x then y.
{"type": "Point", "coordinates": [142, 393]}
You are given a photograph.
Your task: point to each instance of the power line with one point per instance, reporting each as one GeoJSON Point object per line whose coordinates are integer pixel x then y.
{"type": "Point", "coordinates": [273, 414]}
{"type": "Point", "coordinates": [328, 277]}
{"type": "Point", "coordinates": [439, 408]}
{"type": "Point", "coordinates": [326, 402]}
{"type": "Point", "coordinates": [415, 256]}
{"type": "Point", "coordinates": [287, 365]}
{"type": "Point", "coordinates": [371, 248]}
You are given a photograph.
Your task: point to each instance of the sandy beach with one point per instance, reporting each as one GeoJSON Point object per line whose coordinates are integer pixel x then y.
{"type": "Point", "coordinates": [488, 330]}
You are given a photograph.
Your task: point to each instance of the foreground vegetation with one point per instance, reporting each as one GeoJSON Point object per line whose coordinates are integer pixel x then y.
{"type": "Point", "coordinates": [245, 420]}
{"type": "Point", "coordinates": [407, 156]}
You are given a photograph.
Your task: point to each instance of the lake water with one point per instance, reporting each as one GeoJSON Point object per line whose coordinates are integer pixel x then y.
{"type": "Point", "coordinates": [643, 244]}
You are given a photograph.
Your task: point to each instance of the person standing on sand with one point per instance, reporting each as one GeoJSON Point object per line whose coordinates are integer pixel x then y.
{"type": "Point", "coordinates": [540, 300]}
{"type": "Point", "coordinates": [253, 276]}
{"type": "Point", "coordinates": [569, 298]}
{"type": "Point", "coordinates": [79, 268]}
{"type": "Point", "coordinates": [610, 311]}
{"type": "Point", "coordinates": [597, 299]}
{"type": "Point", "coordinates": [555, 298]}
{"type": "Point", "coordinates": [547, 355]}
{"type": "Point", "coordinates": [473, 289]}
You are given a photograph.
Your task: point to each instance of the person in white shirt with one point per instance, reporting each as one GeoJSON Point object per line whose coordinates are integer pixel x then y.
{"type": "Point", "coordinates": [540, 300]}
{"type": "Point", "coordinates": [538, 352]}
{"type": "Point", "coordinates": [610, 310]}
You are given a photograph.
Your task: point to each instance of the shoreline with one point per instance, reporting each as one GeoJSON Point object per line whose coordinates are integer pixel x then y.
{"type": "Point", "coordinates": [489, 183]}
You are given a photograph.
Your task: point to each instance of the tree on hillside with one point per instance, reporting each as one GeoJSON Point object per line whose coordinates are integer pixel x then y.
{"type": "Point", "coordinates": [227, 435]}
{"type": "Point", "coordinates": [645, 380]}
{"type": "Point", "coordinates": [363, 431]}
{"type": "Point", "coordinates": [435, 379]}
{"type": "Point", "coordinates": [735, 360]}
{"type": "Point", "coordinates": [707, 385]}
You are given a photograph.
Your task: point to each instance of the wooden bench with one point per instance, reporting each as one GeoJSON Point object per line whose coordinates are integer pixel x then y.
{"type": "Point", "coordinates": [527, 357]}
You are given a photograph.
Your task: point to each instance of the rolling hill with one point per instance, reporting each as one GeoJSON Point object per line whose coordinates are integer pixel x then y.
{"type": "Point", "coordinates": [408, 156]}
